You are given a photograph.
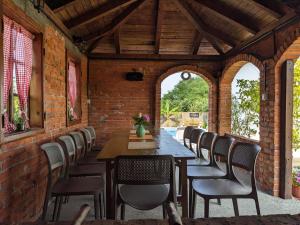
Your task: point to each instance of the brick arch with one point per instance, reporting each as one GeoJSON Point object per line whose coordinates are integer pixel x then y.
{"type": "Point", "coordinates": [208, 77]}
{"type": "Point", "coordinates": [290, 49]}
{"type": "Point", "coordinates": [232, 66]}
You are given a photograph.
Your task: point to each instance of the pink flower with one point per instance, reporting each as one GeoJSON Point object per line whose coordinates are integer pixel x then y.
{"type": "Point", "coordinates": [146, 117]}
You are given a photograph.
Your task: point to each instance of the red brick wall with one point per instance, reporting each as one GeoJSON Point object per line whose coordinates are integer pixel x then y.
{"type": "Point", "coordinates": [23, 168]}
{"type": "Point", "coordinates": [114, 100]}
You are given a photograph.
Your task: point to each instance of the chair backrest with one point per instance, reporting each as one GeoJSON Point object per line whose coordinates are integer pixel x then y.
{"type": "Point", "coordinates": [146, 170]}
{"type": "Point", "coordinates": [244, 155]}
{"type": "Point", "coordinates": [187, 135]}
{"type": "Point", "coordinates": [206, 142]}
{"type": "Point", "coordinates": [79, 143]}
{"type": "Point", "coordinates": [69, 148]}
{"type": "Point", "coordinates": [221, 147]}
{"type": "Point", "coordinates": [87, 139]}
{"type": "Point", "coordinates": [92, 132]}
{"type": "Point", "coordinates": [55, 157]}
{"type": "Point", "coordinates": [195, 137]}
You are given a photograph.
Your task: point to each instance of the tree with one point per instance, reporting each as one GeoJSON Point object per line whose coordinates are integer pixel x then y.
{"type": "Point", "coordinates": [245, 108]}
{"type": "Point", "coordinates": [189, 96]}
{"type": "Point", "coordinates": [166, 111]}
{"type": "Point", "coordinates": [296, 107]}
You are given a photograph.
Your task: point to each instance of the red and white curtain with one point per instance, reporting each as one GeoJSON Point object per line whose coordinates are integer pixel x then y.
{"type": "Point", "coordinates": [72, 92]}
{"type": "Point", "coordinates": [17, 48]}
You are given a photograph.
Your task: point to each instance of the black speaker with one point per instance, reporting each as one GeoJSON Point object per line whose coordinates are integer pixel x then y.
{"type": "Point", "coordinates": [134, 76]}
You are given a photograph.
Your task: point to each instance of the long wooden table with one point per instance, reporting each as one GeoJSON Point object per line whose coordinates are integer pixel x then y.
{"type": "Point", "coordinates": [118, 145]}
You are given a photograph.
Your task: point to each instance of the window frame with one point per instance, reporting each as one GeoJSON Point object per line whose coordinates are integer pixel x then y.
{"type": "Point", "coordinates": [35, 106]}
{"type": "Point", "coordinates": [78, 105]}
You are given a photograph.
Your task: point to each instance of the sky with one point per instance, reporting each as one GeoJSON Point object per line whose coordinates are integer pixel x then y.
{"type": "Point", "coordinates": [248, 71]}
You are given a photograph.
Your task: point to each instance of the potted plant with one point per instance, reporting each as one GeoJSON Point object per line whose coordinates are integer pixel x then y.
{"type": "Point", "coordinates": [20, 125]}
{"type": "Point", "coordinates": [140, 121]}
{"type": "Point", "coordinates": [296, 183]}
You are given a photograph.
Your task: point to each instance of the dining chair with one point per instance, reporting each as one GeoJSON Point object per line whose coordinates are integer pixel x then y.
{"type": "Point", "coordinates": [187, 136]}
{"type": "Point", "coordinates": [88, 141]}
{"type": "Point", "coordinates": [92, 131]}
{"type": "Point", "coordinates": [144, 182]}
{"type": "Point", "coordinates": [73, 169]}
{"type": "Point", "coordinates": [81, 147]}
{"type": "Point", "coordinates": [63, 186]}
{"type": "Point", "coordinates": [220, 150]}
{"type": "Point", "coordinates": [205, 141]}
{"type": "Point", "coordinates": [243, 156]}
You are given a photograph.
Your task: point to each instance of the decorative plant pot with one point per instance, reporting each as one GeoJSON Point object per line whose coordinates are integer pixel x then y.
{"type": "Point", "coordinates": [140, 131]}
{"type": "Point", "coordinates": [296, 191]}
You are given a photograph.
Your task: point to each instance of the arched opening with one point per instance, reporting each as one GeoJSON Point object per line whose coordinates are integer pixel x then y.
{"type": "Point", "coordinates": [203, 76]}
{"type": "Point", "coordinates": [239, 101]}
{"type": "Point", "coordinates": [184, 102]}
{"type": "Point", "coordinates": [245, 102]}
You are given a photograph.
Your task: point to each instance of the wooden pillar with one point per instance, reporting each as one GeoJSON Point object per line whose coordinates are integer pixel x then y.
{"type": "Point", "coordinates": [286, 125]}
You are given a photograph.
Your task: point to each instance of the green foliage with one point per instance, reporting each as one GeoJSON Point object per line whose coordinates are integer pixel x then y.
{"type": "Point", "coordinates": [296, 107]}
{"type": "Point", "coordinates": [166, 111]}
{"type": "Point", "coordinates": [188, 96]}
{"type": "Point", "coordinates": [245, 108]}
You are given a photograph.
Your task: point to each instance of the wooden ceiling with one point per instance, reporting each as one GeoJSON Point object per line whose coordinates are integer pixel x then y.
{"type": "Point", "coordinates": [168, 27]}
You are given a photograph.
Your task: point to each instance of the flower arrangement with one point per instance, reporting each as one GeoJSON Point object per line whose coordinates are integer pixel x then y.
{"type": "Point", "coordinates": [296, 178]}
{"type": "Point", "coordinates": [141, 119]}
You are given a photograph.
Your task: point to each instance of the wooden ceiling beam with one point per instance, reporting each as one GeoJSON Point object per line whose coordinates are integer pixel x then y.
{"type": "Point", "coordinates": [197, 42]}
{"type": "Point", "coordinates": [208, 32]}
{"type": "Point", "coordinates": [274, 8]}
{"type": "Point", "coordinates": [117, 22]}
{"type": "Point", "coordinates": [97, 13]}
{"type": "Point", "coordinates": [235, 16]}
{"type": "Point", "coordinates": [66, 4]}
{"type": "Point", "coordinates": [117, 41]}
{"type": "Point", "coordinates": [159, 17]}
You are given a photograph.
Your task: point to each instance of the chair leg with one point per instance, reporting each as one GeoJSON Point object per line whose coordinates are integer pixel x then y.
{"type": "Point", "coordinates": [55, 208]}
{"type": "Point", "coordinates": [60, 202]}
{"type": "Point", "coordinates": [164, 210]}
{"type": "Point", "coordinates": [206, 208]}
{"type": "Point", "coordinates": [193, 209]}
{"type": "Point", "coordinates": [235, 206]}
{"type": "Point", "coordinates": [101, 205]}
{"type": "Point", "coordinates": [179, 181]}
{"type": "Point", "coordinates": [122, 211]}
{"type": "Point", "coordinates": [97, 207]}
{"type": "Point", "coordinates": [219, 201]}
{"type": "Point", "coordinates": [257, 204]}
{"type": "Point", "coordinates": [45, 208]}
{"type": "Point", "coordinates": [190, 197]}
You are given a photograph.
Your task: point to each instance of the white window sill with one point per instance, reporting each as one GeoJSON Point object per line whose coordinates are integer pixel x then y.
{"type": "Point", "coordinates": [22, 135]}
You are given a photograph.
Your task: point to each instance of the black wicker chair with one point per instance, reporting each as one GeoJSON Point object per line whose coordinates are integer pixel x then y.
{"type": "Point", "coordinates": [187, 136]}
{"type": "Point", "coordinates": [243, 156]}
{"type": "Point", "coordinates": [144, 182]}
{"type": "Point", "coordinates": [220, 149]}
{"type": "Point", "coordinates": [65, 186]}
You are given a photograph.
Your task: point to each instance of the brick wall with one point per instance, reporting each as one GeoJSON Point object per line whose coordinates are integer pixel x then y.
{"type": "Point", "coordinates": [23, 168]}
{"type": "Point", "coordinates": [114, 100]}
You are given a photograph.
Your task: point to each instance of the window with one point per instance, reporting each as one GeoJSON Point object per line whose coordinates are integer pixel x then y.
{"type": "Point", "coordinates": [22, 83]}
{"type": "Point", "coordinates": [73, 90]}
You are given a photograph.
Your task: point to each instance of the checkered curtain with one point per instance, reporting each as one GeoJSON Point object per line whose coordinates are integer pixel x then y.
{"type": "Point", "coordinates": [72, 80]}
{"type": "Point", "coordinates": [17, 50]}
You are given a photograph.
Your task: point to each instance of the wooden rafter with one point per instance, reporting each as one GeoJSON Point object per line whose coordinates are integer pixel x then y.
{"type": "Point", "coordinates": [63, 5]}
{"type": "Point", "coordinates": [237, 17]}
{"type": "Point", "coordinates": [208, 32]}
{"type": "Point", "coordinates": [117, 22]}
{"type": "Point", "coordinates": [97, 13]}
{"type": "Point", "coordinates": [117, 41]}
{"type": "Point", "coordinates": [196, 44]}
{"type": "Point", "coordinates": [274, 8]}
{"type": "Point", "coordinates": [159, 17]}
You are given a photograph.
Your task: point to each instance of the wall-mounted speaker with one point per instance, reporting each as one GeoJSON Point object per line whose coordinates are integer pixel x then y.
{"type": "Point", "coordinates": [134, 76]}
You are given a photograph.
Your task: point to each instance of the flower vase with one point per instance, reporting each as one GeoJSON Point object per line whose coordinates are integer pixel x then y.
{"type": "Point", "coordinates": [296, 191]}
{"type": "Point", "coordinates": [140, 131]}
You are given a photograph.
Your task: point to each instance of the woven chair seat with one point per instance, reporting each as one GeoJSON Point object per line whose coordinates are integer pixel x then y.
{"type": "Point", "coordinates": [204, 172]}
{"type": "Point", "coordinates": [219, 187]}
{"type": "Point", "coordinates": [144, 197]}
{"type": "Point", "coordinates": [197, 162]}
{"type": "Point", "coordinates": [78, 186]}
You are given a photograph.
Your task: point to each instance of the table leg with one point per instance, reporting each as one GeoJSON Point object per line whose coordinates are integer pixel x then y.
{"type": "Point", "coordinates": [184, 197]}
{"type": "Point", "coordinates": [109, 199]}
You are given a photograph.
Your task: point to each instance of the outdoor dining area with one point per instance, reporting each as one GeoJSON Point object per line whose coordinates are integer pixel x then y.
{"type": "Point", "coordinates": [99, 125]}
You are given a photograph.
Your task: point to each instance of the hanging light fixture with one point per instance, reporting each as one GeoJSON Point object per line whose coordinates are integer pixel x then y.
{"type": "Point", "coordinates": [38, 4]}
